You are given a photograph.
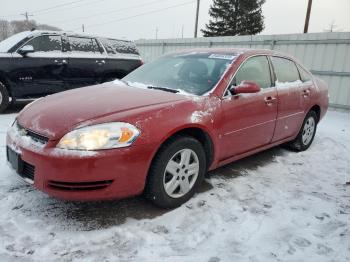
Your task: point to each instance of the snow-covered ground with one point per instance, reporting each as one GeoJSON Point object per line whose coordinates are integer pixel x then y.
{"type": "Point", "coordinates": [274, 206]}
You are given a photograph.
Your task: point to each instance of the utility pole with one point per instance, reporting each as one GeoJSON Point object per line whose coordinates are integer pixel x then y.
{"type": "Point", "coordinates": [83, 27]}
{"type": "Point", "coordinates": [307, 19]}
{"type": "Point", "coordinates": [196, 24]}
{"type": "Point", "coordinates": [332, 26]}
{"type": "Point", "coordinates": [26, 15]}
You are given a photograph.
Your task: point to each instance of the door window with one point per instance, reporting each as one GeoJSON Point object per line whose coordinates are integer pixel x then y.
{"type": "Point", "coordinates": [304, 75]}
{"type": "Point", "coordinates": [285, 70]}
{"type": "Point", "coordinates": [119, 46]}
{"type": "Point", "coordinates": [82, 44]}
{"type": "Point", "coordinates": [46, 43]}
{"type": "Point", "coordinates": [255, 69]}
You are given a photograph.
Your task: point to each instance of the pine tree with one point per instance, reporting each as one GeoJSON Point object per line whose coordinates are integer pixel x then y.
{"type": "Point", "coordinates": [235, 17]}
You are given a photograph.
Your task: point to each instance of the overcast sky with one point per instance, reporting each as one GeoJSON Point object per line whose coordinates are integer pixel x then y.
{"type": "Point", "coordinates": [128, 18]}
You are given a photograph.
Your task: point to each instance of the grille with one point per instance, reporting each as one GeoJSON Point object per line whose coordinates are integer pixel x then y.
{"type": "Point", "coordinates": [80, 186]}
{"type": "Point", "coordinates": [28, 170]}
{"type": "Point", "coordinates": [35, 136]}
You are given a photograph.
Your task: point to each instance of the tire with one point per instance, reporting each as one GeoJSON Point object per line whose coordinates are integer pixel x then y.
{"type": "Point", "coordinates": [170, 180]}
{"type": "Point", "coordinates": [4, 98]}
{"type": "Point", "coordinates": [306, 134]}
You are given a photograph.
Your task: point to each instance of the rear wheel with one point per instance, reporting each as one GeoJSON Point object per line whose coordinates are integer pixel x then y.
{"type": "Point", "coordinates": [4, 98]}
{"type": "Point", "coordinates": [306, 134]}
{"type": "Point", "coordinates": [176, 172]}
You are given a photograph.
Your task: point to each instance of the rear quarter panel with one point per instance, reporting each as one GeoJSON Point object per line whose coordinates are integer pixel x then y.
{"type": "Point", "coordinates": [321, 96]}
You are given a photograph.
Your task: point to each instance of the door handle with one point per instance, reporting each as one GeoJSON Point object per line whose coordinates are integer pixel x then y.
{"type": "Point", "coordinates": [100, 62]}
{"type": "Point", "coordinates": [60, 62]}
{"type": "Point", "coordinates": [270, 100]}
{"type": "Point", "coordinates": [306, 93]}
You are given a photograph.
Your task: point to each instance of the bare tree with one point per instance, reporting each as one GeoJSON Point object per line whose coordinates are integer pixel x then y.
{"type": "Point", "coordinates": [5, 30]}
{"type": "Point", "coordinates": [47, 27]}
{"type": "Point", "coordinates": [18, 26]}
{"type": "Point", "coordinates": [8, 28]}
{"type": "Point", "coordinates": [332, 27]}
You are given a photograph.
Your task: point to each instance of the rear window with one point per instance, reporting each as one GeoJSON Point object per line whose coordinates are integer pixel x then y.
{"type": "Point", "coordinates": [119, 46]}
{"type": "Point", "coordinates": [285, 69]}
{"type": "Point", "coordinates": [83, 44]}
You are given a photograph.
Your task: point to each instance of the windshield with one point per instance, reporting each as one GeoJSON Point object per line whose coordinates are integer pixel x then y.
{"type": "Point", "coordinates": [8, 43]}
{"type": "Point", "coordinates": [194, 73]}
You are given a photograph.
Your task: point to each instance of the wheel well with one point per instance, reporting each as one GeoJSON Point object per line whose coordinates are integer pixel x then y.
{"type": "Point", "coordinates": [317, 110]}
{"type": "Point", "coordinates": [202, 137]}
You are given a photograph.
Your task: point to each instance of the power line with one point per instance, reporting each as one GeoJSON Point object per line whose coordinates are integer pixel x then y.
{"type": "Point", "coordinates": [39, 11]}
{"type": "Point", "coordinates": [57, 6]}
{"type": "Point", "coordinates": [110, 12]}
{"type": "Point", "coordinates": [70, 8]}
{"type": "Point", "coordinates": [141, 14]}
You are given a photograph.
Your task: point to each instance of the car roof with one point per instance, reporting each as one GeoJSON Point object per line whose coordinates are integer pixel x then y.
{"type": "Point", "coordinates": [44, 32]}
{"type": "Point", "coordinates": [234, 51]}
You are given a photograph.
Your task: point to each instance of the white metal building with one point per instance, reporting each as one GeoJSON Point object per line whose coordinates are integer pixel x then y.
{"type": "Point", "coordinates": [325, 54]}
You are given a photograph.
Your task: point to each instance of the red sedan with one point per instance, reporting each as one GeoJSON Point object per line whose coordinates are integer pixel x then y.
{"type": "Point", "coordinates": [162, 127]}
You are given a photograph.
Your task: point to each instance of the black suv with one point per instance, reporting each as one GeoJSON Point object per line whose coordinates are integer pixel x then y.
{"type": "Point", "coordinates": [38, 63]}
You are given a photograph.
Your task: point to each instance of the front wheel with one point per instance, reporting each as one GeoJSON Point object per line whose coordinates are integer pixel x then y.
{"type": "Point", "coordinates": [306, 134]}
{"type": "Point", "coordinates": [176, 172]}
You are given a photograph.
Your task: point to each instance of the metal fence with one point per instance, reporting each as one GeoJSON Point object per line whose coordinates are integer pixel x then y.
{"type": "Point", "coordinates": [325, 54]}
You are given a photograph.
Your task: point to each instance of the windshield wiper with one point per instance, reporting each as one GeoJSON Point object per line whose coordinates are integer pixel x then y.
{"type": "Point", "coordinates": [124, 81]}
{"type": "Point", "coordinates": [163, 89]}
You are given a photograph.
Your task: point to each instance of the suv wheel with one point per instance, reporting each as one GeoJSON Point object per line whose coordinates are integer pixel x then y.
{"type": "Point", "coordinates": [4, 98]}
{"type": "Point", "coordinates": [176, 172]}
{"type": "Point", "coordinates": [306, 134]}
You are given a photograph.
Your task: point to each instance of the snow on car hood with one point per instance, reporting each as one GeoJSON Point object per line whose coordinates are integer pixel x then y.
{"type": "Point", "coordinates": [8, 43]}
{"type": "Point", "coordinates": [55, 115]}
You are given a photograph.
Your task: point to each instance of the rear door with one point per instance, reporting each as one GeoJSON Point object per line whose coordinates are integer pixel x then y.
{"type": "Point", "coordinates": [41, 72]}
{"type": "Point", "coordinates": [307, 87]}
{"type": "Point", "coordinates": [86, 62]}
{"type": "Point", "coordinates": [290, 109]}
{"type": "Point", "coordinates": [122, 58]}
{"type": "Point", "coordinates": [249, 119]}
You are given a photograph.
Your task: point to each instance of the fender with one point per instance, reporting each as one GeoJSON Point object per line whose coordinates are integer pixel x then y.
{"type": "Point", "coordinates": [213, 138]}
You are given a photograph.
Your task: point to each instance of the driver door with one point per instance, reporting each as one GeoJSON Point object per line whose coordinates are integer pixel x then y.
{"type": "Point", "coordinates": [41, 72]}
{"type": "Point", "coordinates": [249, 119]}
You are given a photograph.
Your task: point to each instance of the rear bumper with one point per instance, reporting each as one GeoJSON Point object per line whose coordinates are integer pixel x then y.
{"type": "Point", "coordinates": [84, 176]}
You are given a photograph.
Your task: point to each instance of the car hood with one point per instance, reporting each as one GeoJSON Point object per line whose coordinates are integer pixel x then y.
{"type": "Point", "coordinates": [5, 55]}
{"type": "Point", "coordinates": [55, 115]}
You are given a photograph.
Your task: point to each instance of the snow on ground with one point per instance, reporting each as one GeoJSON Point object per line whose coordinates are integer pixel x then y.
{"type": "Point", "coordinates": [274, 206]}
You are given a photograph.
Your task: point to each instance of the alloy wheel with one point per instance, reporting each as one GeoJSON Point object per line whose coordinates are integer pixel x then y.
{"type": "Point", "coordinates": [181, 173]}
{"type": "Point", "coordinates": [308, 131]}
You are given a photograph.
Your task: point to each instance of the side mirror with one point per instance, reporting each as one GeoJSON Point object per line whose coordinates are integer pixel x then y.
{"type": "Point", "coordinates": [26, 50]}
{"type": "Point", "coordinates": [246, 87]}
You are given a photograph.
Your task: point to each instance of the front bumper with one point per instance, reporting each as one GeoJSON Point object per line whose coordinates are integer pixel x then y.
{"type": "Point", "coordinates": [83, 176]}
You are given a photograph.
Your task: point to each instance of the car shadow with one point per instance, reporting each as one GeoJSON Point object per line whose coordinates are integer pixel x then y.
{"type": "Point", "coordinates": [87, 216]}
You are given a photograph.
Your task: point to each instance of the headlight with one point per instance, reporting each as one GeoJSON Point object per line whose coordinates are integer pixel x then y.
{"type": "Point", "coordinates": [98, 137]}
